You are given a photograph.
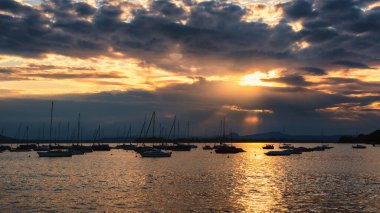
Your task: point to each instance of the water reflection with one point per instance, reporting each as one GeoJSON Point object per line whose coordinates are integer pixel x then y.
{"type": "Point", "coordinates": [338, 180]}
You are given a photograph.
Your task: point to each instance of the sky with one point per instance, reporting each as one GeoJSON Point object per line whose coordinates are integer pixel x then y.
{"type": "Point", "coordinates": [298, 66]}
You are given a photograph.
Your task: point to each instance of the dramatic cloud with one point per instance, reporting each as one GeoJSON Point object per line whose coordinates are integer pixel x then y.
{"type": "Point", "coordinates": [298, 59]}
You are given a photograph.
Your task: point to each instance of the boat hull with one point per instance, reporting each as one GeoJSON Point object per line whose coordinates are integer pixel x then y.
{"type": "Point", "coordinates": [278, 153]}
{"type": "Point", "coordinates": [54, 154]}
{"type": "Point", "coordinates": [156, 155]}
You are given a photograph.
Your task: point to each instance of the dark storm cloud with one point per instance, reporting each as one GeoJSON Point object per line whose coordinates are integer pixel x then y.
{"type": "Point", "coordinates": [339, 31]}
{"type": "Point", "coordinates": [167, 9]}
{"type": "Point", "coordinates": [84, 9]}
{"type": "Point", "coordinates": [351, 86]}
{"type": "Point", "coordinates": [352, 64]}
{"type": "Point", "coordinates": [210, 32]}
{"type": "Point", "coordinates": [313, 70]}
{"type": "Point", "coordinates": [291, 80]}
{"type": "Point", "coordinates": [299, 9]}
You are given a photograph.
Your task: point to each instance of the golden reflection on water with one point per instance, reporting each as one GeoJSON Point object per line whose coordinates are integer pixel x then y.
{"type": "Point", "coordinates": [338, 180]}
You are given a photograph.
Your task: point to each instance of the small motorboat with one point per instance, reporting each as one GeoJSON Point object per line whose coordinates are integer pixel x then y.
{"type": "Point", "coordinates": [268, 146]}
{"type": "Point", "coordinates": [55, 153]}
{"type": "Point", "coordinates": [155, 153]}
{"type": "Point", "coordinates": [358, 146]}
{"type": "Point", "coordinates": [279, 153]}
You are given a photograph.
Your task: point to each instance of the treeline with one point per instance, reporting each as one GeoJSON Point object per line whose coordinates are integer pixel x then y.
{"type": "Point", "coordinates": [372, 138]}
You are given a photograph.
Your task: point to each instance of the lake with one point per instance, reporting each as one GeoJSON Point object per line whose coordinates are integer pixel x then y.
{"type": "Point", "coordinates": [336, 180]}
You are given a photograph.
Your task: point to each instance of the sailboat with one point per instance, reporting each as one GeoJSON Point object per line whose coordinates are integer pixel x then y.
{"type": "Point", "coordinates": [20, 148]}
{"type": "Point", "coordinates": [54, 152]}
{"type": "Point", "coordinates": [129, 146]}
{"type": "Point", "coordinates": [223, 148]}
{"type": "Point", "coordinates": [176, 145]}
{"type": "Point", "coordinates": [99, 147]}
{"type": "Point", "coordinates": [147, 151]}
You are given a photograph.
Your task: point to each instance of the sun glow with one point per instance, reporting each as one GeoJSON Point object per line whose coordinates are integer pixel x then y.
{"type": "Point", "coordinates": [258, 79]}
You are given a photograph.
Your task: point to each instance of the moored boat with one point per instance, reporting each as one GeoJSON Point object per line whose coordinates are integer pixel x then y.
{"type": "Point", "coordinates": [279, 153]}
{"type": "Point", "coordinates": [228, 149]}
{"type": "Point", "coordinates": [19, 149]}
{"type": "Point", "coordinates": [268, 146]}
{"type": "Point", "coordinates": [80, 148]}
{"type": "Point", "coordinates": [101, 147]}
{"type": "Point", "coordinates": [286, 146]}
{"type": "Point", "coordinates": [41, 148]}
{"type": "Point", "coordinates": [358, 146]}
{"type": "Point", "coordinates": [327, 146]}
{"type": "Point", "coordinates": [155, 153]}
{"type": "Point", "coordinates": [207, 147]}
{"type": "Point", "coordinates": [180, 147]}
{"type": "Point", "coordinates": [55, 153]}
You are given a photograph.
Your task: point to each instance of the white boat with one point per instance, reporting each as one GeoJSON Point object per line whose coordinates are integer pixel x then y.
{"type": "Point", "coordinates": [279, 153]}
{"type": "Point", "coordinates": [155, 153]}
{"type": "Point", "coordinates": [55, 153]}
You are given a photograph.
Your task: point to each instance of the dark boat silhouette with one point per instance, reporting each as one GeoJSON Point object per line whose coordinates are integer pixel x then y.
{"type": "Point", "coordinates": [268, 146]}
{"type": "Point", "coordinates": [279, 153]}
{"type": "Point", "coordinates": [207, 147]}
{"type": "Point", "coordinates": [55, 153]}
{"type": "Point", "coordinates": [41, 148]}
{"type": "Point", "coordinates": [101, 147]}
{"type": "Point", "coordinates": [228, 149]}
{"type": "Point", "coordinates": [358, 146]}
{"type": "Point", "coordinates": [223, 148]}
{"type": "Point", "coordinates": [155, 153]}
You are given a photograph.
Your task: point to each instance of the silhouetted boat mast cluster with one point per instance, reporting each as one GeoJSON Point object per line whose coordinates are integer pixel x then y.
{"type": "Point", "coordinates": [160, 146]}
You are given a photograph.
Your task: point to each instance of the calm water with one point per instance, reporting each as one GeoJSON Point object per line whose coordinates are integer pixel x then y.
{"type": "Point", "coordinates": [337, 180]}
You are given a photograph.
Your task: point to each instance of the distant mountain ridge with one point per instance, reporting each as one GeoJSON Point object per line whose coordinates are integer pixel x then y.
{"type": "Point", "coordinates": [279, 136]}
{"type": "Point", "coordinates": [5, 138]}
{"type": "Point", "coordinates": [373, 138]}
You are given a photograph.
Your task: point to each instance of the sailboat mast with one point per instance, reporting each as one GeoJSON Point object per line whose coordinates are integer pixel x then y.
{"type": "Point", "coordinates": [188, 129]}
{"type": "Point", "coordinates": [51, 120]}
{"type": "Point", "coordinates": [68, 132]}
{"type": "Point", "coordinates": [224, 129]}
{"type": "Point", "coordinates": [78, 133]}
{"type": "Point", "coordinates": [154, 122]}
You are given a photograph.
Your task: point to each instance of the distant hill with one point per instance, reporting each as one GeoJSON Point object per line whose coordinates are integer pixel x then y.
{"type": "Point", "coordinates": [279, 136]}
{"type": "Point", "coordinates": [4, 139]}
{"type": "Point", "coordinates": [373, 137]}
